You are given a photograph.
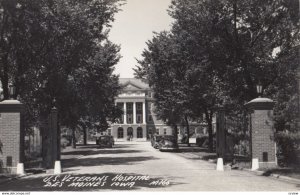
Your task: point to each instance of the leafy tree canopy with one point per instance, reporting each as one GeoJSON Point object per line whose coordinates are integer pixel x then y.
{"type": "Point", "coordinates": [59, 49]}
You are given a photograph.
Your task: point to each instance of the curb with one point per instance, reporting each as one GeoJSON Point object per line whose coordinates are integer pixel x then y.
{"type": "Point", "coordinates": [275, 176]}
{"type": "Point", "coordinates": [256, 172]}
{"type": "Point", "coordinates": [261, 173]}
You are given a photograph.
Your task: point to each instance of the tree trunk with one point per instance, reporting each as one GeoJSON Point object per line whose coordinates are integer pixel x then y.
{"type": "Point", "coordinates": [176, 133]}
{"type": "Point", "coordinates": [84, 136]}
{"type": "Point", "coordinates": [188, 130]}
{"type": "Point", "coordinates": [208, 117]}
{"type": "Point", "coordinates": [210, 136]}
{"type": "Point", "coordinates": [4, 83]}
{"type": "Point", "coordinates": [4, 78]}
{"type": "Point", "coordinates": [73, 138]}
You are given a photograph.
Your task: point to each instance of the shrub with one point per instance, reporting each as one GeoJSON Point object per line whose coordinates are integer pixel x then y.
{"type": "Point", "coordinates": [184, 139]}
{"type": "Point", "coordinates": [63, 142]}
{"type": "Point", "coordinates": [66, 139]}
{"type": "Point", "coordinates": [288, 144]}
{"type": "Point", "coordinates": [201, 140]}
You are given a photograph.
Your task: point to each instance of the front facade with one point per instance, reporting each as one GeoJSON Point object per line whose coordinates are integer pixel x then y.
{"type": "Point", "coordinates": [139, 121]}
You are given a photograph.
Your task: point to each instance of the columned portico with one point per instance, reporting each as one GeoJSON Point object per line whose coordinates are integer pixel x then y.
{"type": "Point", "coordinates": [139, 121]}
{"type": "Point", "coordinates": [137, 113]}
{"type": "Point", "coordinates": [132, 101]}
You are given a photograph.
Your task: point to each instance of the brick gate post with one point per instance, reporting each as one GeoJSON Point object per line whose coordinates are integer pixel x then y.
{"type": "Point", "coordinates": [263, 146]}
{"type": "Point", "coordinates": [12, 136]}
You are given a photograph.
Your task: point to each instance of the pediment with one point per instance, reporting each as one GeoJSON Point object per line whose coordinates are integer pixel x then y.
{"type": "Point", "coordinates": [131, 87]}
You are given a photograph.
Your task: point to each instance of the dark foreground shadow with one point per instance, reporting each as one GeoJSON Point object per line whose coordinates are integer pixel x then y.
{"type": "Point", "coordinates": [185, 148]}
{"type": "Point", "coordinates": [87, 182]}
{"type": "Point", "coordinates": [202, 153]}
{"type": "Point", "coordinates": [67, 163]}
{"type": "Point", "coordinates": [94, 146]}
{"type": "Point", "coordinates": [291, 172]}
{"type": "Point", "coordinates": [100, 151]}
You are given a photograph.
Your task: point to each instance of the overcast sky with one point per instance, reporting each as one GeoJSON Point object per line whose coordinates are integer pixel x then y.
{"type": "Point", "coordinates": [133, 26]}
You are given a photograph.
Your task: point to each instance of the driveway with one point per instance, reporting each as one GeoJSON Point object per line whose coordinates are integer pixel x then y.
{"type": "Point", "coordinates": [138, 166]}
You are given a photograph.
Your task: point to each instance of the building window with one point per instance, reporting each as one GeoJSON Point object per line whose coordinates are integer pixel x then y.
{"type": "Point", "coordinates": [138, 118]}
{"type": "Point", "coordinates": [139, 106]}
{"type": "Point", "coordinates": [120, 132]}
{"type": "Point", "coordinates": [165, 131]}
{"type": "Point", "coordinates": [120, 118]}
{"type": "Point", "coordinates": [129, 118]}
{"type": "Point", "coordinates": [139, 132]}
{"type": "Point", "coordinates": [129, 111]}
{"type": "Point", "coordinates": [129, 106]}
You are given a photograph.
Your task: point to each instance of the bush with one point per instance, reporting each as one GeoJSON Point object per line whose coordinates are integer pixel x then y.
{"type": "Point", "coordinates": [242, 148]}
{"type": "Point", "coordinates": [66, 139]}
{"type": "Point", "coordinates": [288, 145]}
{"type": "Point", "coordinates": [203, 141]}
{"type": "Point", "coordinates": [200, 140]}
{"type": "Point", "coordinates": [184, 139]}
{"type": "Point", "coordinates": [64, 142]}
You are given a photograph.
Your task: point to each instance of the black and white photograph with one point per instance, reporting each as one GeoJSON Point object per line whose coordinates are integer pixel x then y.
{"type": "Point", "coordinates": [141, 96]}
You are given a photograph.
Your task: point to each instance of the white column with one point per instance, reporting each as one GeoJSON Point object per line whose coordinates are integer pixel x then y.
{"type": "Point", "coordinates": [125, 118]}
{"type": "Point", "coordinates": [134, 112]}
{"type": "Point", "coordinates": [144, 113]}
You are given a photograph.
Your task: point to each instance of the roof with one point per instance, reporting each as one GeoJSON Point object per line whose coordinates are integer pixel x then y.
{"type": "Point", "coordinates": [134, 82]}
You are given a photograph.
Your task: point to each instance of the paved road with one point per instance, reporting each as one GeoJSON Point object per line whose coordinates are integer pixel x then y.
{"type": "Point", "coordinates": [168, 171]}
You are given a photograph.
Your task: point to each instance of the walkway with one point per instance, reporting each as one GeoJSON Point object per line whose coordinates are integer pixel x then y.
{"type": "Point", "coordinates": [166, 171]}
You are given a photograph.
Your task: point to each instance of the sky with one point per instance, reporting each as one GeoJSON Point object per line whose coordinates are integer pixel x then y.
{"type": "Point", "coordinates": [134, 26]}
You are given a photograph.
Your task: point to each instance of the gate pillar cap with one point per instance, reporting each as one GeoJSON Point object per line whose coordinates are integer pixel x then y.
{"type": "Point", "coordinates": [10, 102]}
{"type": "Point", "coordinates": [11, 106]}
{"type": "Point", "coordinates": [260, 104]}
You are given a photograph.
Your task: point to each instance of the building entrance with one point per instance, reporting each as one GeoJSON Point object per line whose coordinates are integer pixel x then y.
{"type": "Point", "coordinates": [130, 132]}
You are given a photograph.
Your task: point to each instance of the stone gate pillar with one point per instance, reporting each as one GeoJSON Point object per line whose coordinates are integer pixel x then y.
{"type": "Point", "coordinates": [263, 146]}
{"type": "Point", "coordinates": [12, 137]}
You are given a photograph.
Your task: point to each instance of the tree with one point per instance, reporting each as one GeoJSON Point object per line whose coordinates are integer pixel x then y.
{"type": "Point", "coordinates": [43, 47]}
{"type": "Point", "coordinates": [239, 44]}
{"type": "Point", "coordinates": [222, 50]}
{"type": "Point", "coordinates": [98, 86]}
{"type": "Point", "coordinates": [163, 68]}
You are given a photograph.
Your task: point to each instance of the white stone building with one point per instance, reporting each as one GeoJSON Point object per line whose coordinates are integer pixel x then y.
{"type": "Point", "coordinates": [139, 120]}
